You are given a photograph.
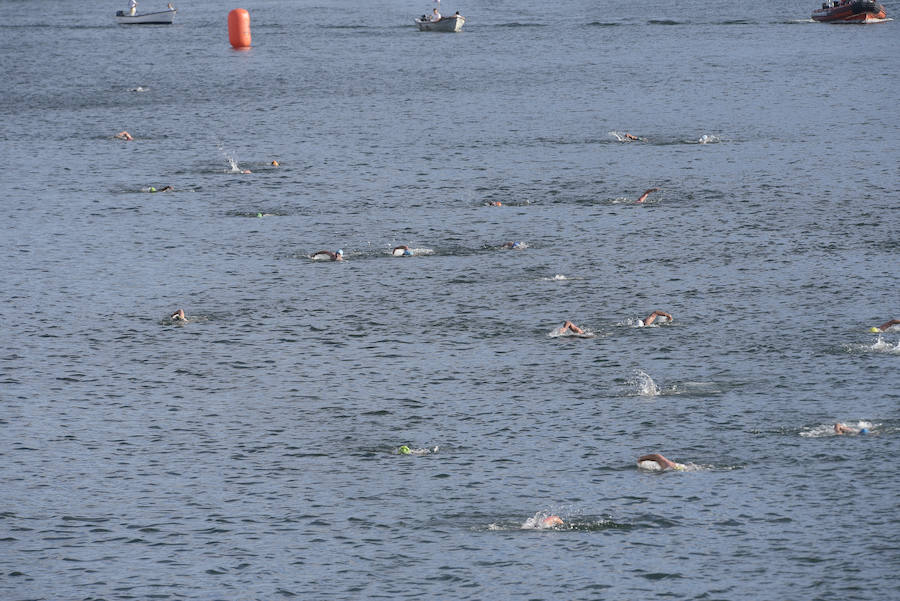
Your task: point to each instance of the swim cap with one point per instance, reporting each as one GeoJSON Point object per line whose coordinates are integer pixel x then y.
{"type": "Point", "coordinates": [340, 252]}
{"type": "Point", "coordinates": [874, 330]}
{"type": "Point", "coordinates": [863, 430]}
{"type": "Point", "coordinates": [152, 189]}
{"type": "Point", "coordinates": [404, 450]}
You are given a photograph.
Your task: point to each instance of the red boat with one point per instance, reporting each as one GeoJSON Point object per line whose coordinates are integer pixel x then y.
{"type": "Point", "coordinates": [849, 11]}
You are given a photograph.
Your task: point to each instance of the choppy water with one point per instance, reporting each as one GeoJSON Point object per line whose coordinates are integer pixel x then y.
{"type": "Point", "coordinates": [251, 453]}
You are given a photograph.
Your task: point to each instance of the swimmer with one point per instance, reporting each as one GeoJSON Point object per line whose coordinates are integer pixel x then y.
{"type": "Point", "coordinates": [661, 462]}
{"type": "Point", "coordinates": [124, 135]}
{"type": "Point", "coordinates": [631, 137]}
{"type": "Point", "coordinates": [665, 317]}
{"type": "Point", "coordinates": [334, 256]}
{"type": "Point", "coordinates": [841, 429]}
{"type": "Point", "coordinates": [178, 316]}
{"type": "Point", "coordinates": [551, 521]}
{"type": "Point", "coordinates": [514, 245]}
{"type": "Point", "coordinates": [402, 251]}
{"type": "Point", "coordinates": [246, 171]}
{"type": "Point", "coordinates": [646, 194]}
{"type": "Point", "coordinates": [163, 189]}
{"type": "Point", "coordinates": [496, 203]}
{"type": "Point", "coordinates": [883, 327]}
{"type": "Point", "coordinates": [274, 163]}
{"type": "Point", "coordinates": [405, 450]}
{"type": "Point", "coordinates": [568, 327]}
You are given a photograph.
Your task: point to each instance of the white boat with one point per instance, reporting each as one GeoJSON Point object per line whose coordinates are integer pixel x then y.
{"type": "Point", "coordinates": [163, 17]}
{"type": "Point", "coordinates": [453, 23]}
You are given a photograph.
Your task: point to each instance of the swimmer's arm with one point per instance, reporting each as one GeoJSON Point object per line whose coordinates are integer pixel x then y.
{"type": "Point", "coordinates": [888, 324]}
{"type": "Point", "coordinates": [662, 461]}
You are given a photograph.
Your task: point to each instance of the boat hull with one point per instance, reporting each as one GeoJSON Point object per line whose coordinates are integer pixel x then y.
{"type": "Point", "coordinates": [450, 24]}
{"type": "Point", "coordinates": [163, 17]}
{"type": "Point", "coordinates": [853, 11]}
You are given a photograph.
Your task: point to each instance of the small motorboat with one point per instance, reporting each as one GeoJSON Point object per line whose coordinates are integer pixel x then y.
{"type": "Point", "coordinates": [849, 11]}
{"type": "Point", "coordinates": [453, 23]}
{"type": "Point", "coordinates": [163, 17]}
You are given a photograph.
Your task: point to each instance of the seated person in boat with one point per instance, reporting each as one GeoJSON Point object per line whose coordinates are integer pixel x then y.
{"type": "Point", "coordinates": [435, 16]}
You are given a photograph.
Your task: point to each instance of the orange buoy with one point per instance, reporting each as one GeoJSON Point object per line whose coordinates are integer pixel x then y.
{"type": "Point", "coordinates": [239, 28]}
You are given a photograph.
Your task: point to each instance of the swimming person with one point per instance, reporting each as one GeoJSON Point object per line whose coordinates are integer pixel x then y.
{"type": "Point", "coordinates": [518, 245]}
{"type": "Point", "coordinates": [661, 315]}
{"type": "Point", "coordinates": [841, 429]}
{"type": "Point", "coordinates": [124, 135]}
{"type": "Point", "coordinates": [163, 189]}
{"type": "Point", "coordinates": [646, 194]}
{"type": "Point", "coordinates": [888, 324]}
{"type": "Point", "coordinates": [402, 251]}
{"type": "Point", "coordinates": [178, 316]}
{"type": "Point", "coordinates": [334, 256]}
{"type": "Point", "coordinates": [552, 521]}
{"type": "Point", "coordinates": [661, 463]}
{"type": "Point", "coordinates": [569, 327]}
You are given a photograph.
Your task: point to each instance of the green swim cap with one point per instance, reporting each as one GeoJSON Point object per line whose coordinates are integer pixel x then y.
{"type": "Point", "coordinates": [152, 189]}
{"type": "Point", "coordinates": [404, 450]}
{"type": "Point", "coordinates": [259, 215]}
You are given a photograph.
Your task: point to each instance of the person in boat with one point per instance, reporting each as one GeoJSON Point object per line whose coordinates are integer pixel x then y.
{"type": "Point", "coordinates": [661, 315]}
{"type": "Point", "coordinates": [662, 462]}
{"type": "Point", "coordinates": [132, 7]}
{"type": "Point", "coordinates": [178, 316]}
{"type": "Point", "coordinates": [570, 328]}
{"type": "Point", "coordinates": [124, 135]}
{"type": "Point", "coordinates": [646, 194]}
{"type": "Point", "coordinates": [334, 256]}
{"type": "Point", "coordinates": [887, 324]}
{"type": "Point", "coordinates": [435, 16]}
{"type": "Point", "coordinates": [169, 6]}
{"type": "Point", "coordinates": [402, 251]}
{"type": "Point", "coordinates": [841, 429]}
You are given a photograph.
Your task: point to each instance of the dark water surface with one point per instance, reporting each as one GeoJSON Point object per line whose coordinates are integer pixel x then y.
{"type": "Point", "coordinates": [252, 452]}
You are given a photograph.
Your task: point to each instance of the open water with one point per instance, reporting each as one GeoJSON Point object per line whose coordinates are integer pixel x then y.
{"type": "Point", "coordinates": [251, 453]}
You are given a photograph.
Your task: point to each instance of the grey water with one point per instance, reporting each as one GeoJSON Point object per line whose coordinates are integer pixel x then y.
{"type": "Point", "coordinates": [251, 453]}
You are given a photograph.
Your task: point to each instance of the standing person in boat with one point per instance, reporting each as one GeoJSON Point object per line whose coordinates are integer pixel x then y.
{"type": "Point", "coordinates": [132, 7]}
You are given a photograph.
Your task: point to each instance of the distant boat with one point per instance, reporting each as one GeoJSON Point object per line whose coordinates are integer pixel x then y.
{"type": "Point", "coordinates": [453, 23]}
{"type": "Point", "coordinates": [163, 17]}
{"type": "Point", "coordinates": [849, 11]}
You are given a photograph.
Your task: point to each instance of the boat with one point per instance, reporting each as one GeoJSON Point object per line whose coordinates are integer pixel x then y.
{"type": "Point", "coordinates": [453, 23]}
{"type": "Point", "coordinates": [849, 11]}
{"type": "Point", "coordinates": [163, 17]}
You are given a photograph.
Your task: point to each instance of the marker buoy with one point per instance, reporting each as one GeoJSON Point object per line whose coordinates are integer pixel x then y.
{"type": "Point", "coordinates": [239, 28]}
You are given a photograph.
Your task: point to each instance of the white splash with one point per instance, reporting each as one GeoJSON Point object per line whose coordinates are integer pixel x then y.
{"type": "Point", "coordinates": [644, 384]}
{"type": "Point", "coordinates": [707, 139]}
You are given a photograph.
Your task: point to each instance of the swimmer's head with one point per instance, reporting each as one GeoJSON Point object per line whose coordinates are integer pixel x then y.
{"type": "Point", "coordinates": [874, 330]}
{"type": "Point", "coordinates": [152, 189]}
{"type": "Point", "coordinates": [339, 252]}
{"type": "Point", "coordinates": [274, 163]}
{"type": "Point", "coordinates": [551, 520]}
{"type": "Point", "coordinates": [863, 430]}
{"type": "Point", "coordinates": [404, 450]}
